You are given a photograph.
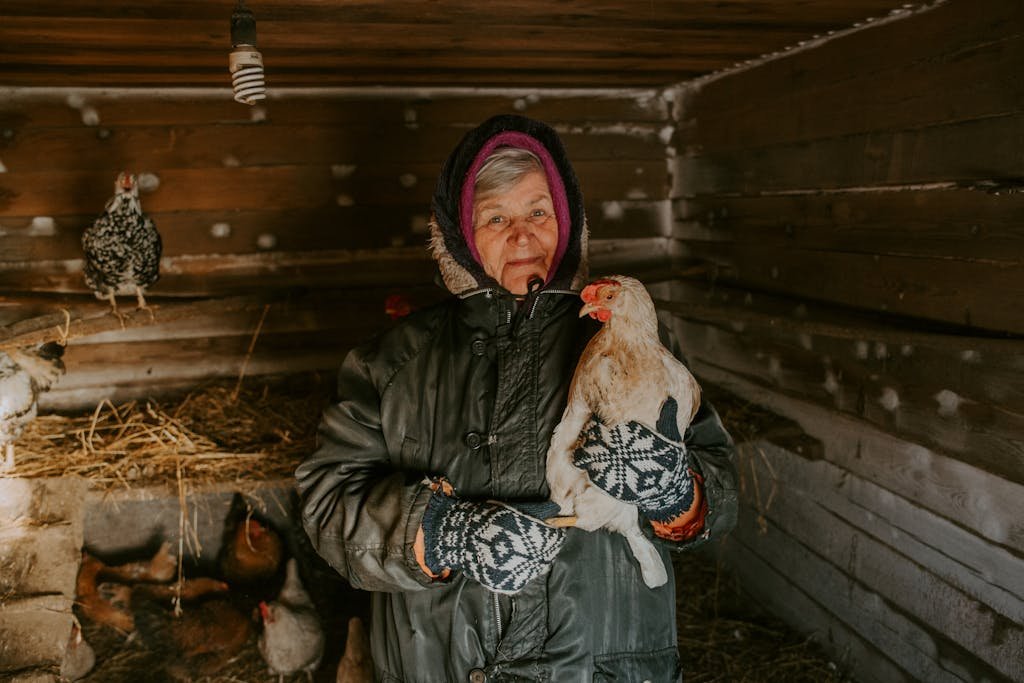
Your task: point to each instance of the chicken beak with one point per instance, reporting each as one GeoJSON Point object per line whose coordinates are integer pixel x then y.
{"type": "Point", "coordinates": [596, 312]}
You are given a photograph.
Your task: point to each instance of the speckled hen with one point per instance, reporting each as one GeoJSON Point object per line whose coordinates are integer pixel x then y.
{"type": "Point", "coordinates": [122, 247]}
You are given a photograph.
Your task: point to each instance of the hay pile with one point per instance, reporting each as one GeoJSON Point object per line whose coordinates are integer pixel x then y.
{"type": "Point", "coordinates": [214, 434]}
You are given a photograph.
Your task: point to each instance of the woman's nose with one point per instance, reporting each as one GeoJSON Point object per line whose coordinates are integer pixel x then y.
{"type": "Point", "coordinates": [520, 231]}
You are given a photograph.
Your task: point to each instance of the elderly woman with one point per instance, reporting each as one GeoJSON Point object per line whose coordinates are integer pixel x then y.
{"type": "Point", "coordinates": [428, 483]}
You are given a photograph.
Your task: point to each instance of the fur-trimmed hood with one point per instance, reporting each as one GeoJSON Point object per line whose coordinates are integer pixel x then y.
{"type": "Point", "coordinates": [459, 268]}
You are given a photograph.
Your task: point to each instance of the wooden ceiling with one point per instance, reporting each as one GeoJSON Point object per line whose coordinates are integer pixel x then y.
{"type": "Point", "coordinates": [317, 43]}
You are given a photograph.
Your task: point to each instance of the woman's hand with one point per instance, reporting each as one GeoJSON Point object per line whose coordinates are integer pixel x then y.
{"type": "Point", "coordinates": [492, 543]}
{"type": "Point", "coordinates": [638, 465]}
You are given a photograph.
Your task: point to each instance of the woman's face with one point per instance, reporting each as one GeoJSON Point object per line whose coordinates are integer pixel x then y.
{"type": "Point", "coordinates": [516, 232]}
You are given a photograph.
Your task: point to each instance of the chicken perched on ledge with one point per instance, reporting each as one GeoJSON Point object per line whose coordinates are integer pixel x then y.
{"type": "Point", "coordinates": [24, 374]}
{"type": "Point", "coordinates": [122, 247]}
{"type": "Point", "coordinates": [620, 435]}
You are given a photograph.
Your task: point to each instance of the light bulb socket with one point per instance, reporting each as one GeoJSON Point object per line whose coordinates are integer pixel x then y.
{"type": "Point", "coordinates": [243, 26]}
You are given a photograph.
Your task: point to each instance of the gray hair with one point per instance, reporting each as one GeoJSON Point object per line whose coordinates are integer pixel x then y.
{"type": "Point", "coordinates": [505, 167]}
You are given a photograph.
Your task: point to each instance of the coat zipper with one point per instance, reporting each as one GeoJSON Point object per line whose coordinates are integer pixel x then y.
{"type": "Point", "coordinates": [497, 616]}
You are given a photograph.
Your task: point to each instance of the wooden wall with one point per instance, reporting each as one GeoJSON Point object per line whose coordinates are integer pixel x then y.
{"type": "Point", "coordinates": [859, 204]}
{"type": "Point", "coordinates": [315, 203]}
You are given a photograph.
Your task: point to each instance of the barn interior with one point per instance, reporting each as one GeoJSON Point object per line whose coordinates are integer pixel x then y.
{"type": "Point", "coordinates": [824, 199]}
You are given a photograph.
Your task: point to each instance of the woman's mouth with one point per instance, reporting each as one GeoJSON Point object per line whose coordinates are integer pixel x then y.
{"type": "Point", "coordinates": [518, 262]}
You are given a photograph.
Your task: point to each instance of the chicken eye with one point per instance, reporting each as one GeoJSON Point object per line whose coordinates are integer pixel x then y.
{"type": "Point", "coordinates": [609, 296]}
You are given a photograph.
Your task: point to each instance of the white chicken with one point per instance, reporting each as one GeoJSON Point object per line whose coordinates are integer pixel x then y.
{"type": "Point", "coordinates": [624, 374]}
{"type": "Point", "coordinates": [292, 638]}
{"type": "Point", "coordinates": [24, 374]}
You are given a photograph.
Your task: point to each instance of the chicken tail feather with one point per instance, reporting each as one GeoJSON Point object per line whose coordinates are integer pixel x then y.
{"type": "Point", "coordinates": [652, 567]}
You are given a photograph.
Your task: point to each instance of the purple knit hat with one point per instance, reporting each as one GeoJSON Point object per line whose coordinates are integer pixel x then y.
{"type": "Point", "coordinates": [555, 186]}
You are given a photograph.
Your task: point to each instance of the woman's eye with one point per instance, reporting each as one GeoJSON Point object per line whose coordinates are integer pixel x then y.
{"type": "Point", "coordinates": [538, 213]}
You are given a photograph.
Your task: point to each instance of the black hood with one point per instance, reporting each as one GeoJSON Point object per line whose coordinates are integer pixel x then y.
{"type": "Point", "coordinates": [460, 270]}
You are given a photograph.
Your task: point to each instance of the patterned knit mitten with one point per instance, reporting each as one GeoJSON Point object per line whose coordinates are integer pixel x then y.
{"type": "Point", "coordinates": [638, 465]}
{"type": "Point", "coordinates": [490, 542]}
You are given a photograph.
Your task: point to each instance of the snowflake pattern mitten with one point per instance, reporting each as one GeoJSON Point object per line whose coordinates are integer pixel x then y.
{"type": "Point", "coordinates": [491, 542]}
{"type": "Point", "coordinates": [638, 465]}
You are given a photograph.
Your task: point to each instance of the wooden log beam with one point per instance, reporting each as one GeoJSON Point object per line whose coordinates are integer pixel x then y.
{"type": "Point", "coordinates": [723, 306]}
{"type": "Point", "coordinates": [76, 320]}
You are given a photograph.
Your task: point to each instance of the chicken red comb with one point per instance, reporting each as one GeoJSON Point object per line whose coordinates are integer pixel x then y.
{"type": "Point", "coordinates": [255, 528]}
{"type": "Point", "coordinates": [589, 293]}
{"type": "Point", "coordinates": [397, 306]}
{"type": "Point", "coordinates": [264, 611]}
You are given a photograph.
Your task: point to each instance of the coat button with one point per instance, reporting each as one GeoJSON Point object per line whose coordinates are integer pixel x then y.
{"type": "Point", "coordinates": [477, 676]}
{"type": "Point", "coordinates": [473, 440]}
{"type": "Point", "coordinates": [479, 347]}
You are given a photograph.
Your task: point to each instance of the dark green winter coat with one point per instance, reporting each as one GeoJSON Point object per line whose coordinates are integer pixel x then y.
{"type": "Point", "coordinates": [472, 389]}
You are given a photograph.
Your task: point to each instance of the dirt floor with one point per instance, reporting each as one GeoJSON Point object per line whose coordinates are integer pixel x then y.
{"type": "Point", "coordinates": [725, 637]}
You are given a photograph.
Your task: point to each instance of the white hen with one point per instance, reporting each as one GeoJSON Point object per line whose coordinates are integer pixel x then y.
{"type": "Point", "coordinates": [624, 374]}
{"type": "Point", "coordinates": [24, 374]}
{"type": "Point", "coordinates": [292, 638]}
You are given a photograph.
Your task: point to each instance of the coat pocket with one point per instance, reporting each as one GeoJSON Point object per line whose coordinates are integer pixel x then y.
{"type": "Point", "coordinates": [659, 666]}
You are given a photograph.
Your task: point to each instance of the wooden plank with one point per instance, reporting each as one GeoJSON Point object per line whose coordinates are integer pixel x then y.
{"type": "Point", "coordinates": [26, 238]}
{"type": "Point", "coordinates": [247, 144]}
{"type": "Point", "coordinates": [857, 584]}
{"type": "Point", "coordinates": [981, 370]}
{"type": "Point", "coordinates": [526, 12]}
{"type": "Point", "coordinates": [950, 223]}
{"type": "Point", "coordinates": [789, 601]}
{"type": "Point", "coordinates": [218, 275]}
{"type": "Point", "coordinates": [286, 187]}
{"type": "Point", "coordinates": [981, 570]}
{"type": "Point", "coordinates": [973, 82]}
{"type": "Point", "coordinates": [83, 320]}
{"type": "Point", "coordinates": [291, 64]}
{"type": "Point", "coordinates": [977, 295]}
{"type": "Point", "coordinates": [405, 107]}
{"type": "Point", "coordinates": [180, 367]}
{"type": "Point", "coordinates": [79, 35]}
{"type": "Point", "coordinates": [568, 74]}
{"type": "Point", "coordinates": [981, 150]}
{"type": "Point", "coordinates": [867, 61]}
{"type": "Point", "coordinates": [987, 505]}
{"type": "Point", "coordinates": [963, 621]}
{"type": "Point", "coordinates": [214, 275]}
{"type": "Point", "coordinates": [721, 305]}
{"type": "Point", "coordinates": [892, 394]}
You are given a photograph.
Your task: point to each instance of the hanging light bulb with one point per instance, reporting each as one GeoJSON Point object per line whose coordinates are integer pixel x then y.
{"type": "Point", "coordinates": [245, 61]}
